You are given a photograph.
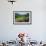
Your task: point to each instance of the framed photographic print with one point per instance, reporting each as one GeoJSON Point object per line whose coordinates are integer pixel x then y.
{"type": "Point", "coordinates": [22, 17]}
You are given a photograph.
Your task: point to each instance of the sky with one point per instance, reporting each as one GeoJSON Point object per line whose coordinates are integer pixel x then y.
{"type": "Point", "coordinates": [22, 13]}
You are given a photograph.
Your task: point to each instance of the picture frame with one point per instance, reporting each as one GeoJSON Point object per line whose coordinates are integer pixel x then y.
{"type": "Point", "coordinates": [22, 17]}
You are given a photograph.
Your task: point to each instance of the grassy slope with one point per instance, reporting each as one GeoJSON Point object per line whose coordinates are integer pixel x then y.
{"type": "Point", "coordinates": [20, 18]}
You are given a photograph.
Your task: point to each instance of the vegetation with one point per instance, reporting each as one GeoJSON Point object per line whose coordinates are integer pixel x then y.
{"type": "Point", "coordinates": [22, 18]}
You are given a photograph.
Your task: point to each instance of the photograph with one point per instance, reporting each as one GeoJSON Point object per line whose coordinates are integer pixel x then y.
{"type": "Point", "coordinates": [22, 17]}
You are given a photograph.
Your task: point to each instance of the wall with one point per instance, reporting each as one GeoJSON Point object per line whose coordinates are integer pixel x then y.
{"type": "Point", "coordinates": [9, 31]}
